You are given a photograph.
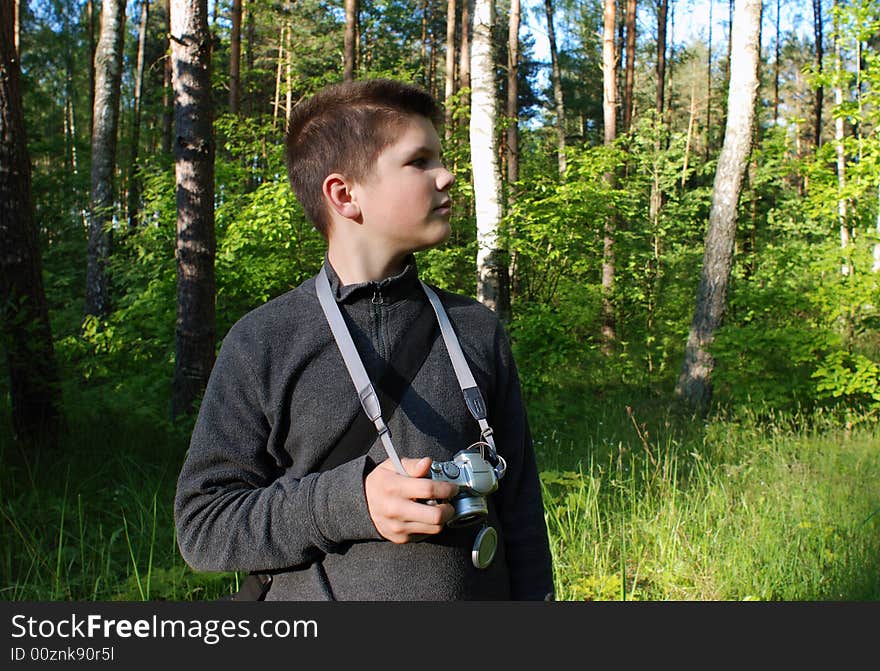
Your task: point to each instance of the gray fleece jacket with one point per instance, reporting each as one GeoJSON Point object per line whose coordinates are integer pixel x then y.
{"type": "Point", "coordinates": [250, 498]}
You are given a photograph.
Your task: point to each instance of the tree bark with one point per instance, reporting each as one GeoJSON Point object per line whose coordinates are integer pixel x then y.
{"type": "Point", "coordinates": [108, 73]}
{"type": "Point", "coordinates": [609, 107]}
{"type": "Point", "coordinates": [630, 78]}
{"type": "Point", "coordinates": [709, 86]}
{"type": "Point", "coordinates": [512, 131]}
{"type": "Point", "coordinates": [559, 101]}
{"type": "Point", "coordinates": [662, 12]}
{"type": "Point", "coordinates": [167, 93]}
{"type": "Point", "coordinates": [350, 57]}
{"type": "Point", "coordinates": [491, 270]}
{"type": "Point", "coordinates": [235, 58]}
{"type": "Point", "coordinates": [30, 358]}
{"type": "Point", "coordinates": [776, 65]}
{"type": "Point", "coordinates": [90, 15]}
{"type": "Point", "coordinates": [694, 383]}
{"type": "Point", "coordinates": [839, 149]}
{"type": "Point", "coordinates": [820, 91]}
{"type": "Point", "coordinates": [194, 155]}
{"type": "Point", "coordinates": [134, 191]}
{"type": "Point", "coordinates": [449, 73]}
{"type": "Point", "coordinates": [277, 105]}
{"type": "Point", "coordinates": [464, 60]}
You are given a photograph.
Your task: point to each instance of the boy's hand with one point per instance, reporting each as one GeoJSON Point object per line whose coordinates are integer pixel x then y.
{"type": "Point", "coordinates": [393, 501]}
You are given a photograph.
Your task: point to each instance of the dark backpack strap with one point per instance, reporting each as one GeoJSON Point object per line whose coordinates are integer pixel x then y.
{"type": "Point", "coordinates": [253, 588]}
{"type": "Point", "coordinates": [406, 361]}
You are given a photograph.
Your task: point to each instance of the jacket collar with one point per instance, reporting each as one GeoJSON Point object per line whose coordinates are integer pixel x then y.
{"type": "Point", "coordinates": [391, 288]}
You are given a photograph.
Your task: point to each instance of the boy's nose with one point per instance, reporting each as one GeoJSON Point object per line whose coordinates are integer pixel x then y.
{"type": "Point", "coordinates": [445, 180]}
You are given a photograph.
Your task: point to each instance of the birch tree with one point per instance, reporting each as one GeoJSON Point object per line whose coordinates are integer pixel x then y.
{"type": "Point", "coordinates": [133, 176]}
{"type": "Point", "coordinates": [27, 337]}
{"type": "Point", "coordinates": [194, 167]}
{"type": "Point", "coordinates": [609, 107]}
{"type": "Point", "coordinates": [694, 384]}
{"type": "Point", "coordinates": [558, 99]}
{"type": "Point", "coordinates": [839, 149]}
{"type": "Point", "coordinates": [491, 271]}
{"type": "Point", "coordinates": [105, 123]}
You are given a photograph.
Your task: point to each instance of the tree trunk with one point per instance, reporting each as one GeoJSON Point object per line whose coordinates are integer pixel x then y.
{"type": "Point", "coordinates": [820, 91]}
{"type": "Point", "coordinates": [349, 58]}
{"type": "Point", "coordinates": [30, 358]}
{"type": "Point", "coordinates": [108, 73]}
{"type": "Point", "coordinates": [512, 132]}
{"type": "Point", "coordinates": [629, 80]}
{"type": "Point", "coordinates": [277, 106]}
{"type": "Point", "coordinates": [776, 66]}
{"type": "Point", "coordinates": [134, 191]}
{"type": "Point", "coordinates": [16, 32]}
{"type": "Point", "coordinates": [709, 86]}
{"type": "Point", "coordinates": [491, 271]}
{"type": "Point", "coordinates": [449, 74]}
{"type": "Point", "coordinates": [194, 155]}
{"type": "Point", "coordinates": [464, 60]}
{"type": "Point", "coordinates": [512, 112]}
{"type": "Point", "coordinates": [875, 267]}
{"type": "Point", "coordinates": [167, 94]}
{"type": "Point", "coordinates": [423, 42]}
{"type": "Point", "coordinates": [690, 131]}
{"type": "Point", "coordinates": [557, 88]}
{"type": "Point", "coordinates": [694, 383]}
{"type": "Point", "coordinates": [69, 106]}
{"type": "Point", "coordinates": [235, 58]}
{"type": "Point", "coordinates": [90, 14]}
{"type": "Point", "coordinates": [662, 11]}
{"type": "Point", "coordinates": [839, 149]}
{"type": "Point", "coordinates": [609, 107]}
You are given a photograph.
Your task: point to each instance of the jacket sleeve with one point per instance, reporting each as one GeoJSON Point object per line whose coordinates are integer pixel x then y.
{"type": "Point", "coordinates": [236, 509]}
{"type": "Point", "coordinates": [521, 508]}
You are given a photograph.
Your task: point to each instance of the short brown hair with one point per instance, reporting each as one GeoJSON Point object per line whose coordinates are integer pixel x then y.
{"type": "Point", "coordinates": [343, 128]}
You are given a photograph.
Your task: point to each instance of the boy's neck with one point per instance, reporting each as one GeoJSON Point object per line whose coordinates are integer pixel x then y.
{"type": "Point", "coordinates": [357, 266]}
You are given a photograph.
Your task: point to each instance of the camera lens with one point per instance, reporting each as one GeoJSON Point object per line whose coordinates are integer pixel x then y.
{"type": "Point", "coordinates": [468, 510]}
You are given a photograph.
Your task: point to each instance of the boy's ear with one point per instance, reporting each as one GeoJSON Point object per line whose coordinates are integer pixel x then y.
{"type": "Point", "coordinates": [337, 193]}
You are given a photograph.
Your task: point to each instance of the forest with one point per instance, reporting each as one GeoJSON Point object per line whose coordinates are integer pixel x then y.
{"type": "Point", "coordinates": [672, 205]}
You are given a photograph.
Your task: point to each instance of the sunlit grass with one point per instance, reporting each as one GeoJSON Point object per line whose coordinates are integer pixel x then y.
{"type": "Point", "coordinates": [641, 503]}
{"type": "Point", "coordinates": [755, 510]}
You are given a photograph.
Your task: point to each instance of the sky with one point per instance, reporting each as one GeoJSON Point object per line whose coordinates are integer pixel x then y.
{"type": "Point", "coordinates": [691, 20]}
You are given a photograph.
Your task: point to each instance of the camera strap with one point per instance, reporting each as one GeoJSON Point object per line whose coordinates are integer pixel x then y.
{"type": "Point", "coordinates": [365, 390]}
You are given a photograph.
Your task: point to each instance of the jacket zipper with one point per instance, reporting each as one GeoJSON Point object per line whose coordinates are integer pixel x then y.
{"type": "Point", "coordinates": [378, 301]}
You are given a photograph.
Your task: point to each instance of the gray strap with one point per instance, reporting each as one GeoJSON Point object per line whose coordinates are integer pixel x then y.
{"type": "Point", "coordinates": [472, 396]}
{"type": "Point", "coordinates": [367, 395]}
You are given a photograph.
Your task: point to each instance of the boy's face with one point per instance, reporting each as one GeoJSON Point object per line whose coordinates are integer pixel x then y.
{"type": "Point", "coordinates": [404, 201]}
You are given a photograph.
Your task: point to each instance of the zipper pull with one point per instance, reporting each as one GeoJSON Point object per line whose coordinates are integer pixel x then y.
{"type": "Point", "coordinates": [377, 296]}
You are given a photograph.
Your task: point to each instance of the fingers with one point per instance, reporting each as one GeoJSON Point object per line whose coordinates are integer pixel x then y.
{"type": "Point", "coordinates": [395, 501]}
{"type": "Point", "coordinates": [417, 486]}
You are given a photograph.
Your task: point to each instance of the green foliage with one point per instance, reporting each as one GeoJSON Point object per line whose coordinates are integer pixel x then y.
{"type": "Point", "coordinates": [851, 377]}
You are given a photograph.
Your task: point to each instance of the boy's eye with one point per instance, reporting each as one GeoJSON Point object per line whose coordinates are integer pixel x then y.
{"type": "Point", "coordinates": [419, 162]}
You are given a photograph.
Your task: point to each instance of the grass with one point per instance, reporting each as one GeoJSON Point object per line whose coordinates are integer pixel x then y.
{"type": "Point", "coordinates": [641, 503]}
{"type": "Point", "coordinates": [754, 506]}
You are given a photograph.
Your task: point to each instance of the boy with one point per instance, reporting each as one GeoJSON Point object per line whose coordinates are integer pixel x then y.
{"type": "Point", "coordinates": [255, 493]}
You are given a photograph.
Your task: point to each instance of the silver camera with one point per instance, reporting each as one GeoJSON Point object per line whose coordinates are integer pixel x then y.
{"type": "Point", "coordinates": [476, 478]}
